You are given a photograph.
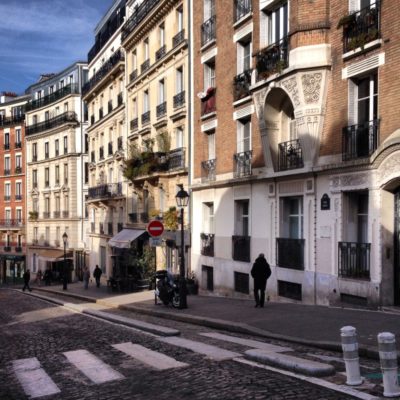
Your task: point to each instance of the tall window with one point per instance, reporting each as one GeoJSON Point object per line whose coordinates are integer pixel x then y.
{"type": "Point", "coordinates": [209, 9]}
{"type": "Point", "coordinates": [65, 144]}
{"type": "Point", "coordinates": [356, 208]}
{"type": "Point", "coordinates": [7, 165]}
{"type": "Point", "coordinates": [179, 137]}
{"type": "Point", "coordinates": [161, 33]}
{"type": "Point", "coordinates": [65, 173]}
{"type": "Point", "coordinates": [179, 85]}
{"type": "Point", "coordinates": [134, 59]}
{"type": "Point", "coordinates": [46, 150]}
{"type": "Point", "coordinates": [211, 145]}
{"type": "Point", "coordinates": [179, 17]}
{"type": "Point", "coordinates": [244, 49]}
{"type": "Point", "coordinates": [242, 226]}
{"type": "Point", "coordinates": [57, 174]}
{"type": "Point", "coordinates": [292, 217]}
{"type": "Point", "coordinates": [57, 147]}
{"type": "Point", "coordinates": [209, 74]}
{"type": "Point", "coordinates": [146, 49]}
{"type": "Point", "coordinates": [161, 91]}
{"type": "Point", "coordinates": [146, 105]}
{"type": "Point", "coordinates": [7, 191]}
{"type": "Point", "coordinates": [34, 178]}
{"type": "Point", "coordinates": [278, 26]}
{"type": "Point", "coordinates": [18, 161]}
{"type": "Point", "coordinates": [46, 177]}
{"type": "Point", "coordinates": [6, 141]}
{"type": "Point", "coordinates": [243, 135]}
{"type": "Point", "coordinates": [34, 151]}
{"type": "Point", "coordinates": [208, 221]}
{"type": "Point", "coordinates": [8, 215]}
{"type": "Point", "coordinates": [18, 215]}
{"type": "Point", "coordinates": [18, 190]}
{"type": "Point", "coordinates": [18, 139]}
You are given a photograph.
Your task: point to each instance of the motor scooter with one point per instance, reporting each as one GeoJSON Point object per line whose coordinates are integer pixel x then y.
{"type": "Point", "coordinates": [166, 289]}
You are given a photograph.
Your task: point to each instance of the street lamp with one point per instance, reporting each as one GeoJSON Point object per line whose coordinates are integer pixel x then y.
{"type": "Point", "coordinates": [65, 278]}
{"type": "Point", "coordinates": [182, 200]}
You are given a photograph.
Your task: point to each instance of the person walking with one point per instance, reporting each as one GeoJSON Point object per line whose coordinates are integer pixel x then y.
{"type": "Point", "coordinates": [86, 276]}
{"type": "Point", "coordinates": [260, 272]}
{"type": "Point", "coordinates": [27, 278]}
{"type": "Point", "coordinates": [97, 274]}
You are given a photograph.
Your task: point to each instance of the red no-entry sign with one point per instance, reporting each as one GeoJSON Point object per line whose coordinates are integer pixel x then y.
{"type": "Point", "coordinates": [155, 228]}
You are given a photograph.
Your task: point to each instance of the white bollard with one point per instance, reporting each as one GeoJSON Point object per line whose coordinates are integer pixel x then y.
{"type": "Point", "coordinates": [350, 355]}
{"type": "Point", "coordinates": [388, 358]}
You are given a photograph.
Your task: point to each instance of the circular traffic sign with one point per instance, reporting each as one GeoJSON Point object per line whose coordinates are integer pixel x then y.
{"type": "Point", "coordinates": [155, 228]}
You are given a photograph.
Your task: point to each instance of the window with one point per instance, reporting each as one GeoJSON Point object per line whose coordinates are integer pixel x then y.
{"type": "Point", "coordinates": [86, 172]}
{"type": "Point", "coordinates": [35, 205]}
{"type": "Point", "coordinates": [57, 174]}
{"type": "Point", "coordinates": [278, 26]}
{"type": "Point", "coordinates": [66, 203]}
{"type": "Point", "coordinates": [51, 89]}
{"type": "Point", "coordinates": [35, 234]}
{"type": "Point", "coordinates": [208, 220]}
{"type": "Point", "coordinates": [242, 227]}
{"type": "Point", "coordinates": [161, 197]}
{"type": "Point", "coordinates": [146, 49]}
{"type": "Point", "coordinates": [6, 141]}
{"type": "Point", "coordinates": [47, 235]}
{"type": "Point", "coordinates": [7, 165]}
{"type": "Point", "coordinates": [179, 137]}
{"type": "Point", "coordinates": [57, 147]}
{"type": "Point", "coordinates": [34, 151]}
{"type": "Point", "coordinates": [179, 18]}
{"type": "Point", "coordinates": [65, 144]}
{"type": "Point", "coordinates": [244, 49]}
{"type": "Point", "coordinates": [292, 217]}
{"type": "Point", "coordinates": [18, 139]}
{"type": "Point", "coordinates": [34, 178]}
{"type": "Point", "coordinates": [356, 5]}
{"type": "Point", "coordinates": [47, 205]}
{"type": "Point", "coordinates": [243, 135]}
{"type": "Point", "coordinates": [46, 177]}
{"type": "Point", "coordinates": [65, 107]}
{"type": "Point", "coordinates": [209, 74]}
{"type": "Point", "coordinates": [161, 91]}
{"type": "Point", "coordinates": [356, 208]}
{"type": "Point", "coordinates": [179, 85]}
{"type": "Point", "coordinates": [46, 116]}
{"type": "Point", "coordinates": [61, 83]}
{"type": "Point", "coordinates": [209, 9]}
{"type": "Point", "coordinates": [65, 173]}
{"type": "Point", "coordinates": [7, 191]}
{"type": "Point", "coordinates": [8, 215]}
{"type": "Point", "coordinates": [18, 190]}
{"type": "Point", "coordinates": [46, 150]}
{"type": "Point", "coordinates": [146, 101]}
{"type": "Point", "coordinates": [134, 108]}
{"type": "Point", "coordinates": [211, 145]}
{"type": "Point", "coordinates": [18, 162]}
{"type": "Point", "coordinates": [161, 33]}
{"type": "Point", "coordinates": [134, 60]}
{"type": "Point", "coordinates": [19, 215]}
{"type": "Point", "coordinates": [71, 79]}
{"type": "Point", "coordinates": [58, 204]}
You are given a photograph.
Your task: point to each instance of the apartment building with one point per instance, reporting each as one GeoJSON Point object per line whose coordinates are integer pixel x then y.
{"type": "Point", "coordinates": [155, 38]}
{"type": "Point", "coordinates": [57, 172]}
{"type": "Point", "coordinates": [104, 94]}
{"type": "Point", "coordinates": [296, 147]}
{"type": "Point", "coordinates": [12, 182]}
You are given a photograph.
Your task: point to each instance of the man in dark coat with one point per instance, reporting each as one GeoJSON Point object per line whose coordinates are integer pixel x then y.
{"type": "Point", "coordinates": [97, 274]}
{"type": "Point", "coordinates": [27, 278]}
{"type": "Point", "coordinates": [260, 272]}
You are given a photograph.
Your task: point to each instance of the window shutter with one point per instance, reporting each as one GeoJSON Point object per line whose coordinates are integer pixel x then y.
{"type": "Point", "coordinates": [352, 102]}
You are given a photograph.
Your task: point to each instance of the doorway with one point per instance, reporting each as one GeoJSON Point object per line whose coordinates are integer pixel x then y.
{"type": "Point", "coordinates": [396, 277]}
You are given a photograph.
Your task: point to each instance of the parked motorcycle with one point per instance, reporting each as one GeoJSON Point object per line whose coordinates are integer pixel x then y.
{"type": "Point", "coordinates": [166, 289]}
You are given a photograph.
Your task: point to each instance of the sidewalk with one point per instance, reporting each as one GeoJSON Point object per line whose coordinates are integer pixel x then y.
{"type": "Point", "coordinates": [312, 325]}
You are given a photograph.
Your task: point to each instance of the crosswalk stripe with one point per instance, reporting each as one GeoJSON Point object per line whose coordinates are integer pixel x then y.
{"type": "Point", "coordinates": [34, 380]}
{"type": "Point", "coordinates": [146, 356]}
{"type": "Point", "coordinates": [254, 344]}
{"type": "Point", "coordinates": [213, 352]}
{"type": "Point", "coordinates": [94, 368]}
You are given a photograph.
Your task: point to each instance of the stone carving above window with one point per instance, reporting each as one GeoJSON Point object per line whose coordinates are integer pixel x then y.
{"type": "Point", "coordinates": [291, 87]}
{"type": "Point", "coordinates": [311, 87]}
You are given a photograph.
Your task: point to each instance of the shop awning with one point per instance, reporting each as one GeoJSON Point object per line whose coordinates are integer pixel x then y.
{"type": "Point", "coordinates": [53, 254]}
{"type": "Point", "coordinates": [124, 238]}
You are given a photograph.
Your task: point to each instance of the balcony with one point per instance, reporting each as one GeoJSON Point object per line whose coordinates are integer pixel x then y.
{"type": "Point", "coordinates": [105, 191]}
{"type": "Point", "coordinates": [178, 38]}
{"type": "Point", "coordinates": [7, 172]}
{"type": "Point", "coordinates": [290, 253]}
{"type": "Point", "coordinates": [207, 244]}
{"type": "Point", "coordinates": [133, 75]}
{"type": "Point", "coordinates": [241, 85]}
{"type": "Point", "coordinates": [160, 53]}
{"type": "Point", "coordinates": [134, 124]}
{"type": "Point", "coordinates": [108, 66]}
{"type": "Point", "coordinates": [56, 214]}
{"type": "Point", "coordinates": [354, 260]}
{"type": "Point", "coordinates": [110, 148]}
{"type": "Point", "coordinates": [7, 197]}
{"type": "Point", "coordinates": [133, 218]}
{"type": "Point", "coordinates": [119, 143]}
{"type": "Point", "coordinates": [241, 8]}
{"type": "Point", "coordinates": [360, 140]}
{"type": "Point", "coordinates": [243, 164]}
{"type": "Point", "coordinates": [179, 99]}
{"type": "Point", "coordinates": [18, 170]}
{"type": "Point", "coordinates": [273, 59]}
{"type": "Point", "coordinates": [7, 248]}
{"type": "Point", "coordinates": [361, 27]}
{"type": "Point", "coordinates": [101, 153]}
{"type": "Point", "coordinates": [14, 120]}
{"type": "Point", "coordinates": [6, 146]}
{"type": "Point", "coordinates": [11, 223]}
{"type": "Point", "coordinates": [176, 158]}
{"type": "Point", "coordinates": [208, 30]}
{"type": "Point", "coordinates": [18, 197]}
{"type": "Point", "coordinates": [120, 99]}
{"type": "Point", "coordinates": [46, 214]}
{"type": "Point", "coordinates": [18, 145]}
{"type": "Point", "coordinates": [241, 248]}
{"type": "Point", "coordinates": [208, 102]}
{"type": "Point", "coordinates": [146, 118]}
{"type": "Point", "coordinates": [145, 66]}
{"type": "Point", "coordinates": [208, 168]}
{"type": "Point", "coordinates": [109, 106]}
{"type": "Point", "coordinates": [110, 229]}
{"type": "Point", "coordinates": [65, 214]}
{"type": "Point", "coordinates": [65, 118]}
{"type": "Point", "coordinates": [137, 17]}
{"type": "Point", "coordinates": [72, 88]}
{"type": "Point", "coordinates": [18, 249]}
{"type": "Point", "coordinates": [290, 155]}
{"type": "Point", "coordinates": [161, 109]}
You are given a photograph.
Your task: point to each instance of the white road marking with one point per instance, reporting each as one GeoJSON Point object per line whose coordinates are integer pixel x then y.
{"type": "Point", "coordinates": [254, 344]}
{"type": "Point", "coordinates": [146, 356]}
{"type": "Point", "coordinates": [316, 381]}
{"type": "Point", "coordinates": [213, 352]}
{"type": "Point", "coordinates": [94, 368]}
{"type": "Point", "coordinates": [33, 379]}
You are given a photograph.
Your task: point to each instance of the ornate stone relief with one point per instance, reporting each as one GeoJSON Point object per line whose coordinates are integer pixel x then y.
{"type": "Point", "coordinates": [339, 182]}
{"type": "Point", "coordinates": [389, 167]}
{"type": "Point", "coordinates": [291, 87]}
{"type": "Point", "coordinates": [311, 87]}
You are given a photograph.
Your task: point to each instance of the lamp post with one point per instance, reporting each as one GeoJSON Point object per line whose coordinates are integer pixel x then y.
{"type": "Point", "coordinates": [182, 200]}
{"type": "Point", "coordinates": [65, 278]}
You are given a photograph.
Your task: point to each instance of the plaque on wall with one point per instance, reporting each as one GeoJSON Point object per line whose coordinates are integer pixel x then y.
{"type": "Point", "coordinates": [325, 202]}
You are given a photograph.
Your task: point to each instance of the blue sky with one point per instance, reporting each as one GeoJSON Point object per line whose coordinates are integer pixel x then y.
{"type": "Point", "coordinates": [43, 36]}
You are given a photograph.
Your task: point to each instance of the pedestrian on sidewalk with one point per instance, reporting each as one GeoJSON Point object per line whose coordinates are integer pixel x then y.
{"type": "Point", "coordinates": [27, 278]}
{"type": "Point", "coordinates": [97, 274]}
{"type": "Point", "coordinates": [260, 271]}
{"type": "Point", "coordinates": [47, 277]}
{"type": "Point", "coordinates": [86, 276]}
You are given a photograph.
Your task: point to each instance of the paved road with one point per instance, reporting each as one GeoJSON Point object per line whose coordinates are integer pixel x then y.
{"type": "Point", "coordinates": [72, 356]}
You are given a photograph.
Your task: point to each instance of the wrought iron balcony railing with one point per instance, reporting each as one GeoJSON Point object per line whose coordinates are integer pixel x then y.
{"type": "Point", "coordinates": [145, 66]}
{"type": "Point", "coordinates": [290, 253]}
{"type": "Point", "coordinates": [161, 109]}
{"type": "Point", "coordinates": [46, 214]}
{"type": "Point", "coordinates": [241, 248]}
{"type": "Point", "coordinates": [241, 8]}
{"type": "Point", "coordinates": [360, 140]}
{"type": "Point", "coordinates": [133, 75]}
{"type": "Point", "coordinates": [361, 27]}
{"type": "Point", "coordinates": [109, 65]}
{"type": "Point", "coordinates": [207, 244]}
{"type": "Point", "coordinates": [178, 38]}
{"type": "Point", "coordinates": [290, 155]}
{"type": "Point", "coordinates": [7, 172]}
{"type": "Point", "coordinates": [137, 17]}
{"type": "Point", "coordinates": [208, 170]}
{"type": "Point", "coordinates": [208, 30]}
{"type": "Point", "coordinates": [134, 124]}
{"type": "Point", "coordinates": [160, 53]}
{"type": "Point", "coordinates": [56, 214]}
{"type": "Point", "coordinates": [18, 145]}
{"type": "Point", "coordinates": [18, 249]}
{"type": "Point", "coordinates": [6, 146]}
{"type": "Point", "coordinates": [354, 260]}
{"type": "Point", "coordinates": [14, 120]}
{"type": "Point", "coordinates": [18, 197]}
{"type": "Point", "coordinates": [273, 59]}
{"type": "Point", "coordinates": [243, 163]}
{"type": "Point", "coordinates": [72, 88]}
{"type": "Point", "coordinates": [7, 248]}
{"type": "Point", "coordinates": [105, 191]}
{"type": "Point", "coordinates": [179, 99]}
{"type": "Point", "coordinates": [241, 85]}
{"type": "Point", "coordinates": [18, 170]}
{"type": "Point", "coordinates": [68, 117]}
{"type": "Point", "coordinates": [65, 214]}
{"type": "Point", "coordinates": [176, 158]}
{"type": "Point", "coordinates": [11, 223]}
{"type": "Point", "coordinates": [146, 118]}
